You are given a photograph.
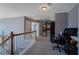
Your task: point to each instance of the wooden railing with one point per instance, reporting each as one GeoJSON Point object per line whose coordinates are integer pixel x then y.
{"type": "Point", "coordinates": [16, 39]}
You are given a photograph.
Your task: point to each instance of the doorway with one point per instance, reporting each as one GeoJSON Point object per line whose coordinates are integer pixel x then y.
{"type": "Point", "coordinates": [48, 28]}
{"type": "Point", "coordinates": [35, 27]}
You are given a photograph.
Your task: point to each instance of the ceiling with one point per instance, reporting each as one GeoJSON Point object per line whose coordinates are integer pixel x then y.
{"type": "Point", "coordinates": [33, 10]}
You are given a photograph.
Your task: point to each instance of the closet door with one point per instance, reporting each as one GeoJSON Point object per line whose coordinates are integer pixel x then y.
{"type": "Point", "coordinates": [52, 32]}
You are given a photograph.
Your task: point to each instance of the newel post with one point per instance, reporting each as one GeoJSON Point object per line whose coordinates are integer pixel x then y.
{"type": "Point", "coordinates": [11, 43]}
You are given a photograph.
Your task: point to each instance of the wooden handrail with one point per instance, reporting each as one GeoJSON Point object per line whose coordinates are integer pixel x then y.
{"type": "Point", "coordinates": [11, 40]}
{"type": "Point", "coordinates": [11, 37]}
{"type": "Point", "coordinates": [14, 35]}
{"type": "Point", "coordinates": [5, 40]}
{"type": "Point", "coordinates": [24, 33]}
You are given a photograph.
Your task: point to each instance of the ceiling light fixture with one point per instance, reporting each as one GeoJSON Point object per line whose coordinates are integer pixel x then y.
{"type": "Point", "coordinates": [44, 7]}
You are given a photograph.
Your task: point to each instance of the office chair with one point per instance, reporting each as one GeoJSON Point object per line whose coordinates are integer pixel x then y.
{"type": "Point", "coordinates": [57, 41]}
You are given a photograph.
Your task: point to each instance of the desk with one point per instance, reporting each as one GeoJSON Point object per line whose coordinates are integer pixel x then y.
{"type": "Point", "coordinates": [75, 38]}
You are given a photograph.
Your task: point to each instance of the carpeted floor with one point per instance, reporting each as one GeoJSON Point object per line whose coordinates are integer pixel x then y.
{"type": "Point", "coordinates": [43, 47]}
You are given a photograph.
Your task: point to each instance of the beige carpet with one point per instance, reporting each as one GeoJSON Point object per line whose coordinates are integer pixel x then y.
{"type": "Point", "coordinates": [43, 47]}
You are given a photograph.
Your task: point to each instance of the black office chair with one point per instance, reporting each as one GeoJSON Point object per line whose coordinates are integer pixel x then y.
{"type": "Point", "coordinates": [58, 45]}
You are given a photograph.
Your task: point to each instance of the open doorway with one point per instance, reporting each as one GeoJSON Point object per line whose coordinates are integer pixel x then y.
{"type": "Point", "coordinates": [35, 27]}
{"type": "Point", "coordinates": [48, 28]}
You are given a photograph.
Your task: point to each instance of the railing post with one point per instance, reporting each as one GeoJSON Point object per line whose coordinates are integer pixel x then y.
{"type": "Point", "coordinates": [35, 35]}
{"type": "Point", "coordinates": [11, 43]}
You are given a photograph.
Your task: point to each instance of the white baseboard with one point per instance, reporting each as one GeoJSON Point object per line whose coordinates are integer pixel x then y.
{"type": "Point", "coordinates": [29, 46]}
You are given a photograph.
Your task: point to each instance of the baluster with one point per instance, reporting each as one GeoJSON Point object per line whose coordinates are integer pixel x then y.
{"type": "Point", "coordinates": [9, 46]}
{"type": "Point", "coordinates": [22, 40]}
{"type": "Point", "coordinates": [19, 40]}
{"type": "Point", "coordinates": [1, 49]}
{"type": "Point", "coordinates": [16, 45]}
{"type": "Point", "coordinates": [6, 49]}
{"type": "Point", "coordinates": [35, 35]}
{"type": "Point", "coordinates": [32, 36]}
{"type": "Point", "coordinates": [29, 36]}
{"type": "Point", "coordinates": [26, 37]}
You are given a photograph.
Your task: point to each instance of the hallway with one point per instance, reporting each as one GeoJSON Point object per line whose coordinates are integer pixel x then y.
{"type": "Point", "coordinates": [42, 47]}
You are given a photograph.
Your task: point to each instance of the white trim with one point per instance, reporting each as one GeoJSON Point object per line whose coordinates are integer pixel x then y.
{"type": "Point", "coordinates": [29, 46]}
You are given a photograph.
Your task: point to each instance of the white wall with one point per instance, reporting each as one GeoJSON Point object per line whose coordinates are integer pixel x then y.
{"type": "Point", "coordinates": [61, 22]}
{"type": "Point", "coordinates": [73, 18]}
{"type": "Point", "coordinates": [15, 24]}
